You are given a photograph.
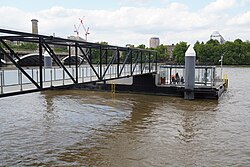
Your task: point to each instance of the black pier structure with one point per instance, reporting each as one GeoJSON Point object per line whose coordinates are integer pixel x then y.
{"type": "Point", "coordinates": [95, 66]}
{"type": "Point", "coordinates": [90, 63]}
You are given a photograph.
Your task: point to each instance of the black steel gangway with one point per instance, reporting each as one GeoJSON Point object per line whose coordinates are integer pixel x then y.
{"type": "Point", "coordinates": [94, 62]}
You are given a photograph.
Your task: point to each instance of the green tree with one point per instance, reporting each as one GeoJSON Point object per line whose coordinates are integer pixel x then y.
{"type": "Point", "coordinates": [179, 52]}
{"type": "Point", "coordinates": [142, 46]}
{"type": "Point", "coordinates": [209, 53]}
{"type": "Point", "coordinates": [162, 53]}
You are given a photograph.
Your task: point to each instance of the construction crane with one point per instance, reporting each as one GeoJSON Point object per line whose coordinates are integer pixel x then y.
{"type": "Point", "coordinates": [84, 28]}
{"type": "Point", "coordinates": [77, 30]}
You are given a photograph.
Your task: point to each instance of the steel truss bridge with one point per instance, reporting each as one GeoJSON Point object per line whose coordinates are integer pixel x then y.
{"type": "Point", "coordinates": [97, 63]}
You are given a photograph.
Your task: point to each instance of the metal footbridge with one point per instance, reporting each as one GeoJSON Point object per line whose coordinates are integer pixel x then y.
{"type": "Point", "coordinates": [87, 63]}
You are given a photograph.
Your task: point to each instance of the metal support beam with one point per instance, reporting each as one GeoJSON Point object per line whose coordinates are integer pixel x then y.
{"type": "Point", "coordinates": [41, 62]}
{"type": "Point", "coordinates": [149, 61]}
{"type": "Point", "coordinates": [101, 57]}
{"type": "Point", "coordinates": [118, 62]}
{"type": "Point", "coordinates": [16, 64]}
{"type": "Point", "coordinates": [111, 62]}
{"type": "Point", "coordinates": [53, 55]}
{"type": "Point", "coordinates": [156, 59]}
{"type": "Point", "coordinates": [69, 56]}
{"type": "Point", "coordinates": [109, 55]}
{"type": "Point", "coordinates": [131, 63]}
{"type": "Point", "coordinates": [141, 62]}
{"type": "Point", "coordinates": [91, 65]}
{"type": "Point", "coordinates": [76, 63]}
{"type": "Point", "coordinates": [136, 61]}
{"type": "Point", "coordinates": [106, 56]}
{"type": "Point", "coordinates": [124, 62]}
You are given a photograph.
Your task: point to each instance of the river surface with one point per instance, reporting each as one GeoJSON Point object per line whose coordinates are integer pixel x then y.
{"type": "Point", "coordinates": [85, 128]}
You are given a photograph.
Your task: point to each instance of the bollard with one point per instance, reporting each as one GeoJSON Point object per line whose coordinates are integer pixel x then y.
{"type": "Point", "coordinates": [189, 73]}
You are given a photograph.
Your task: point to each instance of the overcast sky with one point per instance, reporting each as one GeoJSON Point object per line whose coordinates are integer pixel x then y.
{"type": "Point", "coordinates": [121, 22]}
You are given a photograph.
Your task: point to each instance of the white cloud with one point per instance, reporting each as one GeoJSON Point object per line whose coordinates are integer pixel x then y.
{"type": "Point", "coordinates": [244, 2]}
{"type": "Point", "coordinates": [241, 19]}
{"type": "Point", "coordinates": [134, 25]}
{"type": "Point", "coordinates": [219, 6]}
{"type": "Point", "coordinates": [13, 18]}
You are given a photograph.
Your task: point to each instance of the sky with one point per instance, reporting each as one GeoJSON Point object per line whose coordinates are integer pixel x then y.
{"type": "Point", "coordinates": [121, 22]}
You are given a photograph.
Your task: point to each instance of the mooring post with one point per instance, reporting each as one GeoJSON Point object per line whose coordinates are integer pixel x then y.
{"type": "Point", "coordinates": [189, 73]}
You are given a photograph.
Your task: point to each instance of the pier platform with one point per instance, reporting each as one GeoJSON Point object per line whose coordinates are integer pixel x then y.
{"type": "Point", "coordinates": [207, 84]}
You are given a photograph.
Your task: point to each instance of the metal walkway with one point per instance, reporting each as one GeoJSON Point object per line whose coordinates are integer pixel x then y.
{"type": "Point", "coordinates": [98, 63]}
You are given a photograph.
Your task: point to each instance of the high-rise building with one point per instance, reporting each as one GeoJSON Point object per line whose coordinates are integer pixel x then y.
{"type": "Point", "coordinates": [154, 42]}
{"type": "Point", "coordinates": [170, 49]}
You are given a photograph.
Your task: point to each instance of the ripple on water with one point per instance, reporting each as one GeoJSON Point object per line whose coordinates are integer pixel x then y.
{"type": "Point", "coordinates": [85, 128]}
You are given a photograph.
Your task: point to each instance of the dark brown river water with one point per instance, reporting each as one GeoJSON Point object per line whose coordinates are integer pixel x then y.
{"type": "Point", "coordinates": [85, 128]}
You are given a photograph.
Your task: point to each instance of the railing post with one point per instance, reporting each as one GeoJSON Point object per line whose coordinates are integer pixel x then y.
{"type": "Point", "coordinates": [118, 62]}
{"type": "Point", "coordinates": [100, 74]}
{"type": "Point", "coordinates": [32, 73]}
{"type": "Point", "coordinates": [149, 65]}
{"type": "Point", "coordinates": [90, 73]}
{"type": "Point", "coordinates": [51, 77]}
{"type": "Point", "coordinates": [73, 72]}
{"type": "Point", "coordinates": [110, 71]}
{"type": "Point", "coordinates": [44, 74]}
{"type": "Point", "coordinates": [131, 63]}
{"type": "Point", "coordinates": [20, 80]}
{"type": "Point", "coordinates": [54, 74]}
{"type": "Point", "coordinates": [82, 75]}
{"type": "Point", "coordinates": [1, 78]}
{"type": "Point", "coordinates": [141, 62]}
{"type": "Point", "coordinates": [63, 76]}
{"type": "Point", "coordinates": [70, 56]}
{"type": "Point", "coordinates": [156, 68]}
{"type": "Point", "coordinates": [41, 62]}
{"type": "Point", "coordinates": [76, 64]}
{"type": "Point", "coordinates": [37, 75]}
{"type": "Point", "coordinates": [86, 70]}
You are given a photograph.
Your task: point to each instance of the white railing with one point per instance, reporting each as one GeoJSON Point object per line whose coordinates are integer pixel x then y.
{"type": "Point", "coordinates": [15, 80]}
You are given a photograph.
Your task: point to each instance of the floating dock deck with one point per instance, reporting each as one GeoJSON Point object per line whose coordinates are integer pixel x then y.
{"type": "Point", "coordinates": [207, 84]}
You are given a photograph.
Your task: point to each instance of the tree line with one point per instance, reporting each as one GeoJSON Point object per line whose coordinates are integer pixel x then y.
{"type": "Point", "coordinates": [211, 52]}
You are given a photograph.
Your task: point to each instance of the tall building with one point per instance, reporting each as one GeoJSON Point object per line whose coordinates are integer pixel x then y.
{"type": "Point", "coordinates": [154, 42]}
{"type": "Point", "coordinates": [170, 49]}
